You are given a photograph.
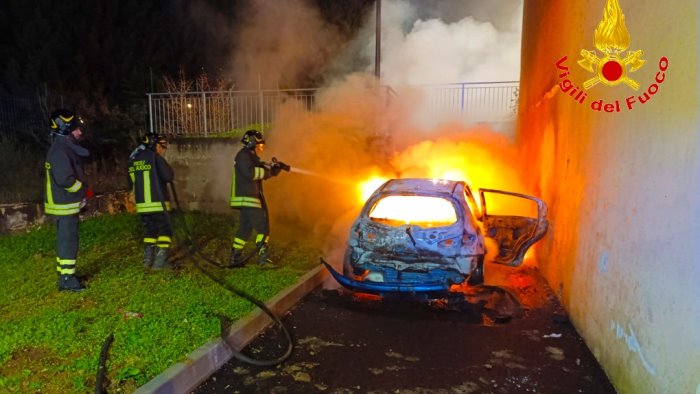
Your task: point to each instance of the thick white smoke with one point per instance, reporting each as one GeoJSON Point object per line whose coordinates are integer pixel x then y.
{"type": "Point", "coordinates": [420, 46]}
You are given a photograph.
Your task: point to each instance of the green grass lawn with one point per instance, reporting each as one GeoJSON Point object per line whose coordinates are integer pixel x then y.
{"type": "Point", "coordinates": [50, 342]}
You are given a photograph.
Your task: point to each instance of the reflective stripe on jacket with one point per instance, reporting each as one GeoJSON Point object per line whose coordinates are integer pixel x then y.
{"type": "Point", "coordinates": [65, 179]}
{"type": "Point", "coordinates": [246, 182]}
{"type": "Point", "coordinates": [149, 173]}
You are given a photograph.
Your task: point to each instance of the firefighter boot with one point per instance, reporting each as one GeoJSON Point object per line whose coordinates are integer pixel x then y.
{"type": "Point", "coordinates": [69, 283]}
{"type": "Point", "coordinates": [263, 255]}
{"type": "Point", "coordinates": [236, 260]}
{"type": "Point", "coordinates": [161, 260]}
{"type": "Point", "coordinates": [149, 254]}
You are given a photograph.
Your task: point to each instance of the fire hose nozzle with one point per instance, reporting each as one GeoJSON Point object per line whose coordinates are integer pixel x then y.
{"type": "Point", "coordinates": [280, 164]}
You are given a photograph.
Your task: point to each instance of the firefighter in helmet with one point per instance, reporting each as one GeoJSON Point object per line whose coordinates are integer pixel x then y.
{"type": "Point", "coordinates": [149, 173]}
{"type": "Point", "coordinates": [247, 196]}
{"type": "Point", "coordinates": [67, 192]}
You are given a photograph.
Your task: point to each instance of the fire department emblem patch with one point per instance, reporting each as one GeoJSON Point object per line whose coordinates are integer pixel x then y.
{"type": "Point", "coordinates": [611, 39]}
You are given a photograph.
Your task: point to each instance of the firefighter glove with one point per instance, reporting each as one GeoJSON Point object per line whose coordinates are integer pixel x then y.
{"type": "Point", "coordinates": [275, 169]}
{"type": "Point", "coordinates": [281, 165]}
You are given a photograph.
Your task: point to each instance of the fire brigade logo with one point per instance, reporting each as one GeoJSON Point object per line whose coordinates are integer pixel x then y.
{"type": "Point", "coordinates": [611, 65]}
{"type": "Point", "coordinates": [612, 39]}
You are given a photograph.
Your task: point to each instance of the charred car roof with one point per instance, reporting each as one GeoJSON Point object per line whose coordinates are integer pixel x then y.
{"type": "Point", "coordinates": [419, 185]}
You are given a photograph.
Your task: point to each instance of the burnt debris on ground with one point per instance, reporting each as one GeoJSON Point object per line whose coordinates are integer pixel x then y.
{"type": "Point", "coordinates": [508, 336]}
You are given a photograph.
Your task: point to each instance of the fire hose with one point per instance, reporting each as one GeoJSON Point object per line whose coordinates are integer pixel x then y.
{"type": "Point", "coordinates": [193, 252]}
{"type": "Point", "coordinates": [196, 253]}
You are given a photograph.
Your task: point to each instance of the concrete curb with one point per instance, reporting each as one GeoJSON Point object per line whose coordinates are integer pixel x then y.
{"type": "Point", "coordinates": [185, 376]}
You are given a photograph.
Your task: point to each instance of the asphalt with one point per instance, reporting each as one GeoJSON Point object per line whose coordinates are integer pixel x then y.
{"type": "Point", "coordinates": [508, 336]}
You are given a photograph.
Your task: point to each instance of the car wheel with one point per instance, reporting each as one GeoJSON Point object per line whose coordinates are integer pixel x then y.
{"type": "Point", "coordinates": [477, 276]}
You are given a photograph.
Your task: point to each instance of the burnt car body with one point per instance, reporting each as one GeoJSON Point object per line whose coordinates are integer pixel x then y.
{"type": "Point", "coordinates": [395, 248]}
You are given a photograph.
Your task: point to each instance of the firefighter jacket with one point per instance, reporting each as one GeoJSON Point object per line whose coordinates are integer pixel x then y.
{"type": "Point", "coordinates": [65, 180]}
{"type": "Point", "coordinates": [149, 174]}
{"type": "Point", "coordinates": [246, 185]}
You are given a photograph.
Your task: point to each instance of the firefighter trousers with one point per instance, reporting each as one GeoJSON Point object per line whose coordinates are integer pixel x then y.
{"type": "Point", "coordinates": [67, 238]}
{"type": "Point", "coordinates": [252, 219]}
{"type": "Point", "coordinates": [157, 229]}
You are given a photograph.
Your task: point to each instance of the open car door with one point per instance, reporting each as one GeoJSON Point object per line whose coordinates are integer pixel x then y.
{"type": "Point", "coordinates": [514, 234]}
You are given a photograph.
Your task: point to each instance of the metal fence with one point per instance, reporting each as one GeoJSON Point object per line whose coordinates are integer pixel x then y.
{"type": "Point", "coordinates": [474, 102]}
{"type": "Point", "coordinates": [207, 113]}
{"type": "Point", "coordinates": [24, 115]}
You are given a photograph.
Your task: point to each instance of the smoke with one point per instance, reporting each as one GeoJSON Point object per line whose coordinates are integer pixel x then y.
{"type": "Point", "coordinates": [359, 129]}
{"type": "Point", "coordinates": [355, 133]}
{"type": "Point", "coordinates": [289, 44]}
{"type": "Point", "coordinates": [335, 140]}
{"type": "Point", "coordinates": [281, 44]}
{"type": "Point", "coordinates": [424, 42]}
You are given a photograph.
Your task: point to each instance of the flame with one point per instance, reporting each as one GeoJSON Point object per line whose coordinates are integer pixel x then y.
{"type": "Point", "coordinates": [450, 174]}
{"type": "Point", "coordinates": [419, 210]}
{"type": "Point", "coordinates": [368, 186]}
{"type": "Point", "coordinates": [611, 35]}
{"type": "Point", "coordinates": [483, 161]}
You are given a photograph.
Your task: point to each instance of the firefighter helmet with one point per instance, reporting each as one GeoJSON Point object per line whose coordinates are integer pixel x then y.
{"type": "Point", "coordinates": [252, 138]}
{"type": "Point", "coordinates": [150, 140]}
{"type": "Point", "coordinates": [64, 121]}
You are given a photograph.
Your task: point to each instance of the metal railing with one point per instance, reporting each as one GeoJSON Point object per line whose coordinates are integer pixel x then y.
{"type": "Point", "coordinates": [205, 113]}
{"type": "Point", "coordinates": [217, 112]}
{"type": "Point", "coordinates": [474, 102]}
{"type": "Point", "coordinates": [24, 115]}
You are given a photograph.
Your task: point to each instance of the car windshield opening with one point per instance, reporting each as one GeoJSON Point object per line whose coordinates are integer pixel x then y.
{"type": "Point", "coordinates": [423, 211]}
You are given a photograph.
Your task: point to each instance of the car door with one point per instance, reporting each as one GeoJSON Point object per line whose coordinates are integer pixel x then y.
{"type": "Point", "coordinates": [515, 234]}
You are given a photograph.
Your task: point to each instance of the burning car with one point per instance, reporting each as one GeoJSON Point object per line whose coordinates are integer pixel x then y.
{"type": "Point", "coordinates": [425, 235]}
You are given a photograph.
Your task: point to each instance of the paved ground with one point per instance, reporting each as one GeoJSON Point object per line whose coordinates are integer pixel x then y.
{"type": "Point", "coordinates": [509, 336]}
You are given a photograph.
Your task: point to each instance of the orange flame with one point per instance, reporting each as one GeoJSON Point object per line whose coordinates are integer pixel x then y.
{"type": "Point", "coordinates": [484, 161]}
{"type": "Point", "coordinates": [419, 210]}
{"type": "Point", "coordinates": [368, 186]}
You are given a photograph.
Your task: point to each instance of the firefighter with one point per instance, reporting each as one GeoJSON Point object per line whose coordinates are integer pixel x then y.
{"type": "Point", "coordinates": [247, 196]}
{"type": "Point", "coordinates": [66, 192]}
{"type": "Point", "coordinates": [149, 173]}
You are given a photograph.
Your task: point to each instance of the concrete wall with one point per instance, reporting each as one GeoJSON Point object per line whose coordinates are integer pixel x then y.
{"type": "Point", "coordinates": [202, 182]}
{"type": "Point", "coordinates": [622, 188]}
{"type": "Point", "coordinates": [203, 168]}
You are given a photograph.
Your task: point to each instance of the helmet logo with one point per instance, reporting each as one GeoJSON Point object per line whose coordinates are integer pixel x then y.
{"type": "Point", "coordinates": [63, 121]}
{"type": "Point", "coordinates": [252, 138]}
{"type": "Point", "coordinates": [150, 140]}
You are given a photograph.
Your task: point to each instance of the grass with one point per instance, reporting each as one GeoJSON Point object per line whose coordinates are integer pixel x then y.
{"type": "Point", "coordinates": [51, 342]}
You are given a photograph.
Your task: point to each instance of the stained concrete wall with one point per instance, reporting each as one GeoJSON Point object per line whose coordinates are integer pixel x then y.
{"type": "Point", "coordinates": [203, 169]}
{"type": "Point", "coordinates": [622, 188]}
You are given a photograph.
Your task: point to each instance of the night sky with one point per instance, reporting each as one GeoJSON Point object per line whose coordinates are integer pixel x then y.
{"type": "Point", "coordinates": [114, 51]}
